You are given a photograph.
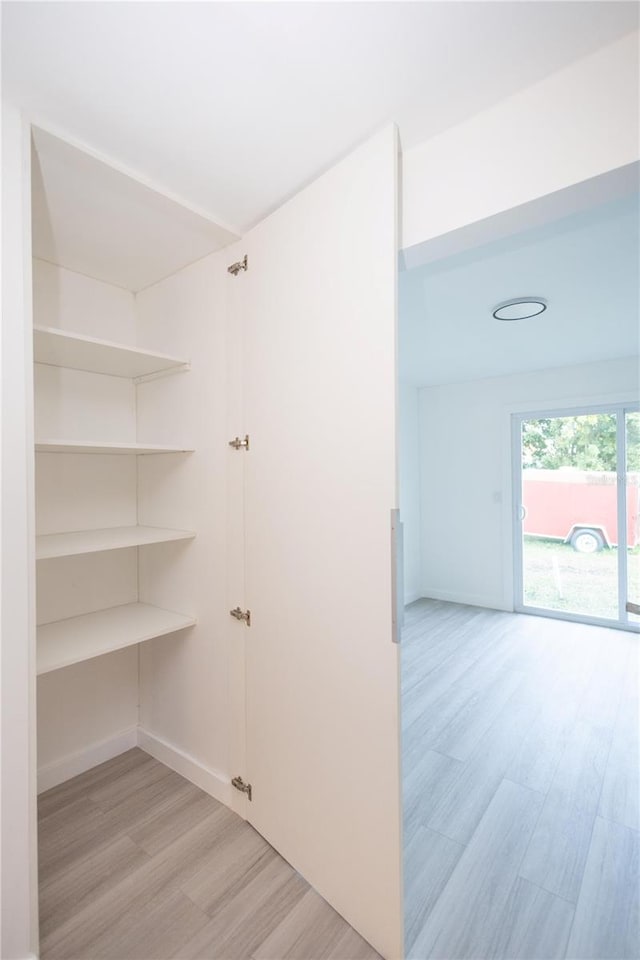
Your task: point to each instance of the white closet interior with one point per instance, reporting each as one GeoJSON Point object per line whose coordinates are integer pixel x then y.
{"type": "Point", "coordinates": [129, 418]}
{"type": "Point", "coordinates": [149, 359]}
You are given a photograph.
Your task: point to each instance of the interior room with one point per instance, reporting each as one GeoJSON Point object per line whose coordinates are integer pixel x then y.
{"type": "Point", "coordinates": [521, 728]}
{"type": "Point", "coordinates": [320, 478]}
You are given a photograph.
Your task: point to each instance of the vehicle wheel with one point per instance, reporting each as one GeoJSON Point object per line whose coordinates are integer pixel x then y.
{"type": "Point", "coordinates": [587, 541]}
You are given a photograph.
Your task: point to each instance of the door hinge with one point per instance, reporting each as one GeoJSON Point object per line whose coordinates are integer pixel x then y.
{"type": "Point", "coordinates": [239, 265]}
{"type": "Point", "coordinates": [239, 444]}
{"type": "Point", "coordinates": [239, 614]}
{"type": "Point", "coordinates": [240, 785]}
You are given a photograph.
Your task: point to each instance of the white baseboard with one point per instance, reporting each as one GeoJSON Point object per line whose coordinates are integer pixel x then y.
{"type": "Point", "coordinates": [213, 782]}
{"type": "Point", "coordinates": [470, 600]}
{"type": "Point", "coordinates": [74, 763]}
{"type": "Point", "coordinates": [412, 597]}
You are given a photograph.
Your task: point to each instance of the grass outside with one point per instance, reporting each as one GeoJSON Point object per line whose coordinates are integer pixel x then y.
{"type": "Point", "coordinates": [557, 577]}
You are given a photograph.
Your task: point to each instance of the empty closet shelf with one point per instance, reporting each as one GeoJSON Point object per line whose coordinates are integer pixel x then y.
{"type": "Point", "coordinates": [64, 642]}
{"type": "Point", "coordinates": [86, 446]}
{"type": "Point", "coordinates": [112, 538]}
{"type": "Point", "coordinates": [77, 352]}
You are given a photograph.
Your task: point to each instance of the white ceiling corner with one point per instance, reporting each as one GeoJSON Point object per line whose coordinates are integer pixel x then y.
{"type": "Point", "coordinates": [95, 220]}
{"type": "Point", "coordinates": [234, 106]}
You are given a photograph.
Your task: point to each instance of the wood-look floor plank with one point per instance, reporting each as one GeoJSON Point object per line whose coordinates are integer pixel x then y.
{"type": "Point", "coordinates": [461, 800]}
{"type": "Point", "coordinates": [351, 946]}
{"type": "Point", "coordinates": [152, 930]}
{"type": "Point", "coordinates": [433, 639]}
{"type": "Point", "coordinates": [556, 856]}
{"type": "Point", "coordinates": [428, 863]}
{"type": "Point", "coordinates": [620, 799]}
{"type": "Point", "coordinates": [578, 747]}
{"type": "Point", "coordinates": [537, 759]}
{"type": "Point", "coordinates": [152, 777]}
{"type": "Point", "coordinates": [427, 777]}
{"type": "Point", "coordinates": [559, 693]}
{"type": "Point", "coordinates": [465, 731]}
{"type": "Point", "coordinates": [311, 930]}
{"type": "Point", "coordinates": [451, 708]}
{"type": "Point", "coordinates": [166, 871]}
{"type": "Point", "coordinates": [164, 825]}
{"type": "Point", "coordinates": [235, 863]}
{"type": "Point", "coordinates": [535, 924]}
{"type": "Point", "coordinates": [86, 880]}
{"type": "Point", "coordinates": [59, 797]}
{"type": "Point", "coordinates": [87, 822]}
{"type": "Point", "coordinates": [70, 834]}
{"type": "Point", "coordinates": [241, 922]}
{"type": "Point", "coordinates": [465, 917]}
{"type": "Point", "coordinates": [607, 919]}
{"type": "Point", "coordinates": [149, 801]}
{"type": "Point", "coordinates": [603, 695]}
{"type": "Point", "coordinates": [420, 696]}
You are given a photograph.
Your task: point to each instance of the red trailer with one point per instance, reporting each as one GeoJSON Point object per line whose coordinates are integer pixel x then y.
{"type": "Point", "coordinates": [578, 507]}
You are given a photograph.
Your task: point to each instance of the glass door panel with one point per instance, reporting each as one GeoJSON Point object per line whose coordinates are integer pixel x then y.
{"type": "Point", "coordinates": [632, 438]}
{"type": "Point", "coordinates": [570, 515]}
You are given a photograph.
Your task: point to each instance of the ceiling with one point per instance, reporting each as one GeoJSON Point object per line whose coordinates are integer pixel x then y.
{"type": "Point", "coordinates": [233, 107]}
{"type": "Point", "coordinates": [586, 266]}
{"type": "Point", "coordinates": [97, 221]}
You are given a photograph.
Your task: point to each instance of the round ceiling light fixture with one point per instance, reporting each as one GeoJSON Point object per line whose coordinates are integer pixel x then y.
{"type": "Point", "coordinates": [520, 308]}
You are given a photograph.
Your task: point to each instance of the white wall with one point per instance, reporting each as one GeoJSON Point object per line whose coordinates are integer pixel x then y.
{"type": "Point", "coordinates": [409, 469]}
{"type": "Point", "coordinates": [86, 713]}
{"type": "Point", "coordinates": [19, 918]}
{"type": "Point", "coordinates": [466, 492]}
{"type": "Point", "coordinates": [71, 301]}
{"type": "Point", "coordinates": [184, 677]}
{"type": "Point", "coordinates": [575, 124]}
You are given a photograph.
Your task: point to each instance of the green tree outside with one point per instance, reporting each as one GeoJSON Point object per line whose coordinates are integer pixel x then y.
{"type": "Point", "coordinates": [586, 442]}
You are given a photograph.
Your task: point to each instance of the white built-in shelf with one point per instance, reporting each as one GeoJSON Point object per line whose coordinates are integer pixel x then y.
{"type": "Point", "coordinates": [112, 538]}
{"type": "Point", "coordinates": [86, 446]}
{"type": "Point", "coordinates": [62, 349]}
{"type": "Point", "coordinates": [81, 638]}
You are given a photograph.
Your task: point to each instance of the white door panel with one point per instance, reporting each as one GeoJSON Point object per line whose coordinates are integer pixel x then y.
{"type": "Point", "coordinates": [319, 315]}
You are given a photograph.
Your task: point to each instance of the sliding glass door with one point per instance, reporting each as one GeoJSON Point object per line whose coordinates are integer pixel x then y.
{"type": "Point", "coordinates": [577, 534]}
{"type": "Point", "coordinates": [631, 459]}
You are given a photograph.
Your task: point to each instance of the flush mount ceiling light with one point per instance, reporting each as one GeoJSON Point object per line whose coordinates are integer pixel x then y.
{"type": "Point", "coordinates": [520, 308]}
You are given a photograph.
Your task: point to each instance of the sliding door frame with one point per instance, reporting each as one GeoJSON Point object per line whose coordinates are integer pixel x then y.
{"type": "Point", "coordinates": [619, 409]}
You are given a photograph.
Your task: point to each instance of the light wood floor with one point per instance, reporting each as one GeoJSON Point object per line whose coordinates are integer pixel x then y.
{"type": "Point", "coordinates": [138, 864]}
{"type": "Point", "coordinates": [521, 820]}
{"type": "Point", "coordinates": [521, 787]}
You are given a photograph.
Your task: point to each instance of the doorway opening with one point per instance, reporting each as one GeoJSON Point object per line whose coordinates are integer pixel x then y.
{"type": "Point", "coordinates": [577, 525]}
{"type": "Point", "coordinates": [502, 710]}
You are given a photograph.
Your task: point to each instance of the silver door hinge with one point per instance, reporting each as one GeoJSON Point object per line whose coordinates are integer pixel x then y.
{"type": "Point", "coordinates": [239, 614]}
{"type": "Point", "coordinates": [240, 785]}
{"type": "Point", "coordinates": [239, 265]}
{"type": "Point", "coordinates": [239, 444]}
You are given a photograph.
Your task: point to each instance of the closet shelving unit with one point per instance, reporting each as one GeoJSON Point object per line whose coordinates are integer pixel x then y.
{"type": "Point", "coordinates": [64, 642]}
{"type": "Point", "coordinates": [76, 542]}
{"type": "Point", "coordinates": [60, 348]}
{"type": "Point", "coordinates": [89, 446]}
